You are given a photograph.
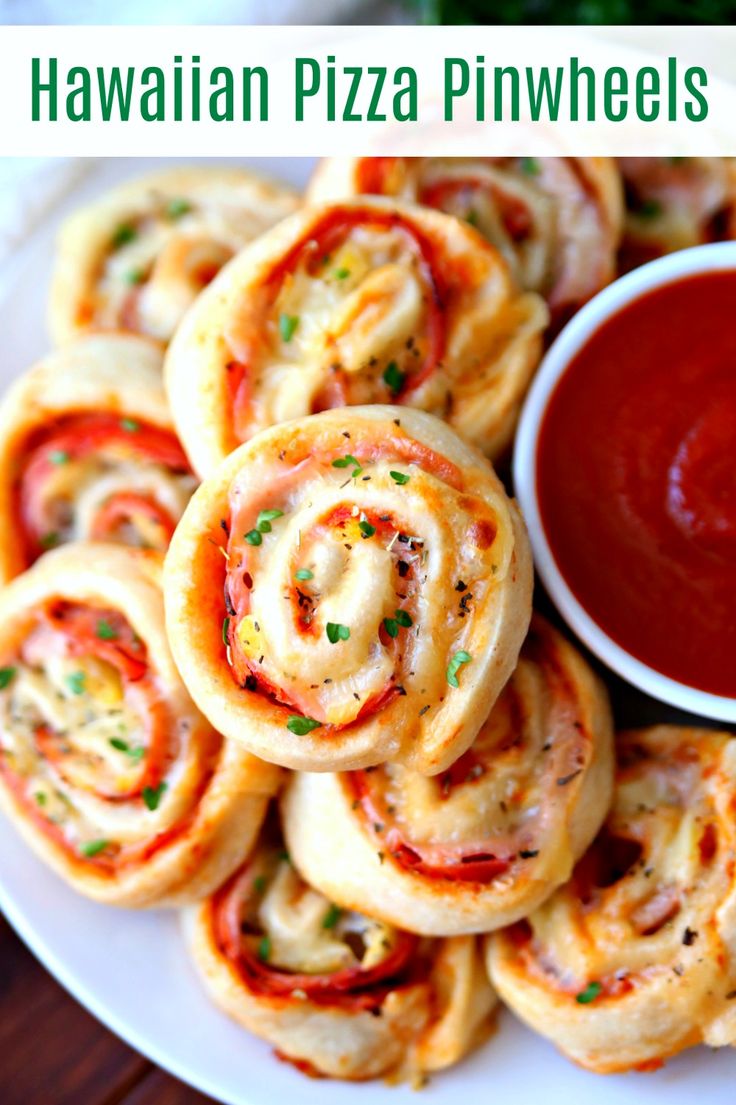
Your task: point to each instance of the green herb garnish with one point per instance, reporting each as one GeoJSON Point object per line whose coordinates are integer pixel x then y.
{"type": "Point", "coordinates": [399, 477]}
{"type": "Point", "coordinates": [530, 166]}
{"type": "Point", "coordinates": [253, 537]}
{"type": "Point", "coordinates": [58, 456]}
{"type": "Point", "coordinates": [264, 949]}
{"type": "Point", "coordinates": [346, 461]}
{"type": "Point", "coordinates": [265, 517]}
{"type": "Point", "coordinates": [336, 632]}
{"type": "Point", "coordinates": [135, 276]}
{"type": "Point", "coordinates": [259, 884]}
{"type": "Point", "coordinates": [332, 917]}
{"type": "Point", "coordinates": [130, 425]}
{"type": "Point", "coordinates": [366, 528]}
{"type": "Point", "coordinates": [49, 540]}
{"type": "Point", "coordinates": [76, 682]}
{"type": "Point", "coordinates": [403, 619]}
{"type": "Point", "coordinates": [303, 574]}
{"type": "Point", "coordinates": [460, 658]}
{"type": "Point", "coordinates": [93, 848]}
{"type": "Point", "coordinates": [287, 326]}
{"type": "Point", "coordinates": [649, 209]}
{"type": "Point", "coordinates": [178, 207]}
{"type": "Point", "coordinates": [590, 993]}
{"type": "Point", "coordinates": [124, 234]}
{"type": "Point", "coordinates": [300, 725]}
{"type": "Point", "coordinates": [341, 274]}
{"type": "Point", "coordinates": [152, 796]}
{"type": "Point", "coordinates": [6, 677]}
{"type": "Point", "coordinates": [394, 378]}
{"type": "Point", "coordinates": [105, 631]}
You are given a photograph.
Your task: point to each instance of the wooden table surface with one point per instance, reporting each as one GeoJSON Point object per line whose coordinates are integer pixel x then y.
{"type": "Point", "coordinates": [52, 1052]}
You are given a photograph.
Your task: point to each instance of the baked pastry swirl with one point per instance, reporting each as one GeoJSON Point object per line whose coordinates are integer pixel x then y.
{"type": "Point", "coordinates": [106, 767]}
{"type": "Point", "coordinates": [336, 992]}
{"type": "Point", "coordinates": [365, 301]}
{"type": "Point", "coordinates": [674, 203]}
{"type": "Point", "coordinates": [88, 452]}
{"type": "Point", "coordinates": [488, 839]}
{"type": "Point", "coordinates": [377, 590]}
{"type": "Point", "coordinates": [138, 257]}
{"type": "Point", "coordinates": [556, 220]}
{"type": "Point", "coordinates": [633, 960]}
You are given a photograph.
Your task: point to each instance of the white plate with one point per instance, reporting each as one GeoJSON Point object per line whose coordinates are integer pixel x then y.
{"type": "Point", "coordinates": [131, 969]}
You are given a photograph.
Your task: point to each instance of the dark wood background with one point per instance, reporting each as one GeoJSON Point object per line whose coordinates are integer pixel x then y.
{"type": "Point", "coordinates": [53, 1052]}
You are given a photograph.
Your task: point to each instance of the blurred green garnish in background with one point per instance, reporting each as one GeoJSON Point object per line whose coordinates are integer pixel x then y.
{"type": "Point", "coordinates": [575, 11]}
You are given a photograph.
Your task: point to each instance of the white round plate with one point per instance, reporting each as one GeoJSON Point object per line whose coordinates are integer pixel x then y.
{"type": "Point", "coordinates": [131, 969]}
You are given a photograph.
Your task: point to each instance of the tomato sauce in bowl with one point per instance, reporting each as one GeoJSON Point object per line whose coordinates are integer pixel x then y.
{"type": "Point", "coordinates": [633, 467]}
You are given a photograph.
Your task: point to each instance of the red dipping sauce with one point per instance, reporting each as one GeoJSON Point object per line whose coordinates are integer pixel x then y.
{"type": "Point", "coordinates": [636, 479]}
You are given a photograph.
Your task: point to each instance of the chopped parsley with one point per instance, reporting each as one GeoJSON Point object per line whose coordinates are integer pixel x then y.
{"type": "Point", "coordinates": [93, 848]}
{"type": "Point", "coordinates": [152, 796]}
{"type": "Point", "coordinates": [135, 276]}
{"type": "Point", "coordinates": [124, 234]}
{"type": "Point", "coordinates": [300, 725]}
{"type": "Point", "coordinates": [6, 677]}
{"type": "Point", "coordinates": [400, 620]}
{"type": "Point", "coordinates": [130, 425]}
{"type": "Point", "coordinates": [58, 456]}
{"type": "Point", "coordinates": [178, 207]}
{"type": "Point", "coordinates": [264, 949]}
{"type": "Point", "coordinates": [50, 540]}
{"type": "Point", "coordinates": [332, 917]}
{"type": "Point", "coordinates": [105, 631]}
{"type": "Point", "coordinates": [391, 626]}
{"type": "Point", "coordinates": [136, 752]}
{"type": "Point", "coordinates": [530, 166]}
{"type": "Point", "coordinates": [287, 326]}
{"type": "Point", "coordinates": [590, 993]}
{"type": "Point", "coordinates": [263, 525]}
{"type": "Point", "coordinates": [393, 378]}
{"type": "Point", "coordinates": [399, 477]}
{"type": "Point", "coordinates": [264, 519]}
{"type": "Point", "coordinates": [76, 682]}
{"type": "Point", "coordinates": [259, 884]}
{"type": "Point", "coordinates": [457, 661]}
{"type": "Point", "coordinates": [341, 274]}
{"type": "Point", "coordinates": [336, 632]}
{"type": "Point", "coordinates": [366, 528]}
{"type": "Point", "coordinates": [346, 461]}
{"type": "Point", "coordinates": [649, 209]}
{"type": "Point", "coordinates": [303, 574]}
{"type": "Point", "coordinates": [40, 797]}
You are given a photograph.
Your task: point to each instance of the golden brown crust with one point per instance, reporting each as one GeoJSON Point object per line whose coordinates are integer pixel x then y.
{"type": "Point", "coordinates": [521, 806]}
{"type": "Point", "coordinates": [165, 845]}
{"type": "Point", "coordinates": [398, 286]}
{"type": "Point", "coordinates": [437, 514]}
{"type": "Point", "coordinates": [674, 203]}
{"type": "Point", "coordinates": [137, 257]}
{"type": "Point", "coordinates": [425, 1016]}
{"type": "Point", "coordinates": [558, 221]}
{"type": "Point", "coordinates": [632, 960]}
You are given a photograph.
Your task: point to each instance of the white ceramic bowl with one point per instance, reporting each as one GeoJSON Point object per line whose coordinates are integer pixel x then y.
{"type": "Point", "coordinates": [666, 270]}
